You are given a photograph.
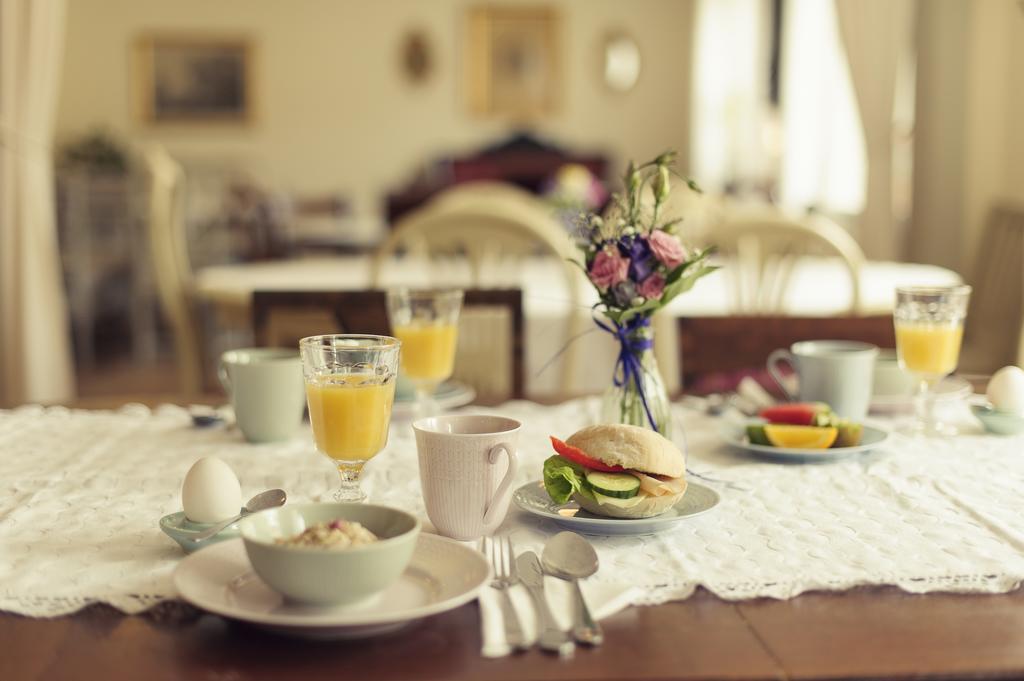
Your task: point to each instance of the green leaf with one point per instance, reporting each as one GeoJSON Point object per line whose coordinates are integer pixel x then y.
{"type": "Point", "coordinates": [563, 477]}
{"type": "Point", "coordinates": [613, 313]}
{"type": "Point", "coordinates": [675, 274]}
{"type": "Point", "coordinates": [685, 283]}
{"type": "Point", "coordinates": [667, 226]}
{"type": "Point", "coordinates": [647, 306]}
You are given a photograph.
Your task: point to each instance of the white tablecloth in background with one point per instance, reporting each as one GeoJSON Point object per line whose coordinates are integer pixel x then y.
{"type": "Point", "coordinates": [82, 493]}
{"type": "Point", "coordinates": [820, 287]}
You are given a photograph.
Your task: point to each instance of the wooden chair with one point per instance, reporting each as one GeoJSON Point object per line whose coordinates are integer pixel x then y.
{"type": "Point", "coordinates": [715, 352]}
{"type": "Point", "coordinates": [994, 333]}
{"type": "Point", "coordinates": [766, 246]}
{"type": "Point", "coordinates": [487, 223]}
{"type": "Point", "coordinates": [172, 270]}
{"type": "Point", "coordinates": [490, 355]}
{"type": "Point", "coordinates": [173, 275]}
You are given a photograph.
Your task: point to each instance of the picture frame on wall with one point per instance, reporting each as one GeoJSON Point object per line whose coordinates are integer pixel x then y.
{"type": "Point", "coordinates": [184, 78]}
{"type": "Point", "coordinates": [513, 61]}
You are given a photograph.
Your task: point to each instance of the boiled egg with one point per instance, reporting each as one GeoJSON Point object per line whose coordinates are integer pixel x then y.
{"type": "Point", "coordinates": [210, 491]}
{"type": "Point", "coordinates": [1006, 390]}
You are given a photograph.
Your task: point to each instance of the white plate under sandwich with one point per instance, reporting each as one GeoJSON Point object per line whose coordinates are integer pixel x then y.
{"type": "Point", "coordinates": [533, 498]}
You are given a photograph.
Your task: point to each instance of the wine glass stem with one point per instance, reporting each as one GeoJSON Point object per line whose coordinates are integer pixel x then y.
{"type": "Point", "coordinates": [925, 404]}
{"type": "Point", "coordinates": [348, 488]}
{"type": "Point", "coordinates": [425, 404]}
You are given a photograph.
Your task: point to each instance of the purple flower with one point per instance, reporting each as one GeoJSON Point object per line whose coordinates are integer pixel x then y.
{"type": "Point", "coordinates": [641, 258]}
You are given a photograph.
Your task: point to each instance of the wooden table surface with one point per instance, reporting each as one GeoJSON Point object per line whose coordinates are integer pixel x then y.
{"type": "Point", "coordinates": [863, 633]}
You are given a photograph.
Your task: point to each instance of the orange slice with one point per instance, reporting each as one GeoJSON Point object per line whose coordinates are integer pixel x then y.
{"type": "Point", "coordinates": [801, 437]}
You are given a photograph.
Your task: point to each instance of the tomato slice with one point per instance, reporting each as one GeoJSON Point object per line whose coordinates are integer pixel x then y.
{"type": "Point", "coordinates": [576, 455]}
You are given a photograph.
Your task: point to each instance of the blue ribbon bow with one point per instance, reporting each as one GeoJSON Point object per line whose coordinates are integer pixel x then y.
{"type": "Point", "coordinates": [628, 366]}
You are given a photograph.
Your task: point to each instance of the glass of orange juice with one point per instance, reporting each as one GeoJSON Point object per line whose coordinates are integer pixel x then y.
{"type": "Point", "coordinates": [350, 387]}
{"type": "Point", "coordinates": [426, 321]}
{"type": "Point", "coordinates": [929, 329]}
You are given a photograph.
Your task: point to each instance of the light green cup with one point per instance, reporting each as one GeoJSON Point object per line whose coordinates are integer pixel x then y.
{"type": "Point", "coordinates": [329, 576]}
{"type": "Point", "coordinates": [266, 390]}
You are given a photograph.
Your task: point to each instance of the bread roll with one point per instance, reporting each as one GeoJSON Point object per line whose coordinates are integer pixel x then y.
{"type": "Point", "coordinates": [631, 447]}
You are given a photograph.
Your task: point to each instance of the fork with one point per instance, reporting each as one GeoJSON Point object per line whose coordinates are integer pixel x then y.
{"type": "Point", "coordinates": [502, 557]}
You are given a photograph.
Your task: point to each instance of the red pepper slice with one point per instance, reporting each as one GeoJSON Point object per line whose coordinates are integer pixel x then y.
{"type": "Point", "coordinates": [576, 455]}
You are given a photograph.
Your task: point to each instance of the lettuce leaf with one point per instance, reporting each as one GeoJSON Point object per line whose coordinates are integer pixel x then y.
{"type": "Point", "coordinates": [563, 477]}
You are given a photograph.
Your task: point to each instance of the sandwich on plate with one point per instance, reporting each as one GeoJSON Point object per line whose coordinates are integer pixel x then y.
{"type": "Point", "coordinates": [617, 471]}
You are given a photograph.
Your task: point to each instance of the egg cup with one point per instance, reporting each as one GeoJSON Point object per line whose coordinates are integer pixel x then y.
{"type": "Point", "coordinates": [997, 422]}
{"type": "Point", "coordinates": [179, 528]}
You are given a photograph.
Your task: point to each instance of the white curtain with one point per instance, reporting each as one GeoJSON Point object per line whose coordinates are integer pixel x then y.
{"type": "Point", "coordinates": [876, 35]}
{"type": "Point", "coordinates": [730, 94]}
{"type": "Point", "coordinates": [35, 353]}
{"type": "Point", "coordinates": [823, 146]}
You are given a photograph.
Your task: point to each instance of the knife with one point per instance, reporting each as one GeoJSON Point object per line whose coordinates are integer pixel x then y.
{"type": "Point", "coordinates": [551, 638]}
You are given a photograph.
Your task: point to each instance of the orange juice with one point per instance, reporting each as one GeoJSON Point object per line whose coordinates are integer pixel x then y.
{"type": "Point", "coordinates": [350, 415]}
{"type": "Point", "coordinates": [928, 349]}
{"type": "Point", "coordinates": [428, 351]}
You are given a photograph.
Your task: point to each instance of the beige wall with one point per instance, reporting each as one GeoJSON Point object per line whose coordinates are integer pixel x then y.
{"type": "Point", "coordinates": [334, 113]}
{"type": "Point", "coordinates": [969, 138]}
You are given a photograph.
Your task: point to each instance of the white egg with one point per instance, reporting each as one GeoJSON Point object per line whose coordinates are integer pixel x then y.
{"type": "Point", "coordinates": [1006, 390]}
{"type": "Point", "coordinates": [210, 491]}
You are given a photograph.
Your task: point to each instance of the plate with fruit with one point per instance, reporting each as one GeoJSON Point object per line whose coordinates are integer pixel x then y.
{"type": "Point", "coordinates": [802, 432]}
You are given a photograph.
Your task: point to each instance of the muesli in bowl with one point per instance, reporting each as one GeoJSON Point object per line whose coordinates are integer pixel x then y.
{"type": "Point", "coordinates": [292, 549]}
{"type": "Point", "coordinates": [336, 534]}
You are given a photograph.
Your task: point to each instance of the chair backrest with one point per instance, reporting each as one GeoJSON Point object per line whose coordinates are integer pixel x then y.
{"type": "Point", "coordinates": [715, 352]}
{"type": "Point", "coordinates": [490, 355]}
{"type": "Point", "coordinates": [172, 270]}
{"type": "Point", "coordinates": [766, 248]}
{"type": "Point", "coordinates": [994, 333]}
{"type": "Point", "coordinates": [487, 223]}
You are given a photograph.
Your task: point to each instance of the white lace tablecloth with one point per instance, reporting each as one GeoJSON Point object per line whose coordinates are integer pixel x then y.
{"type": "Point", "coordinates": [83, 491]}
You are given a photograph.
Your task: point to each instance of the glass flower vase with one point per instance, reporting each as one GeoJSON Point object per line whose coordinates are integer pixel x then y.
{"type": "Point", "coordinates": [624, 400]}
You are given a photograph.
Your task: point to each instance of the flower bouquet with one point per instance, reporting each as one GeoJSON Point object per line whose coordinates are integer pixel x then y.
{"type": "Point", "coordinates": [638, 264]}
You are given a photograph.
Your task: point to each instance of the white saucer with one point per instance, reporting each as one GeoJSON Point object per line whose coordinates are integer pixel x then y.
{"type": "Point", "coordinates": [533, 498]}
{"type": "Point", "coordinates": [442, 575]}
{"type": "Point", "coordinates": [449, 395]}
{"type": "Point", "coordinates": [948, 389]}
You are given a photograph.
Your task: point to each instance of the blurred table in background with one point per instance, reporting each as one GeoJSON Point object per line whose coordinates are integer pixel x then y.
{"type": "Point", "coordinates": [820, 288]}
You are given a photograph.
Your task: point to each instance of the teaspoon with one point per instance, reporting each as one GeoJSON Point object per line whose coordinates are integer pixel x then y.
{"type": "Point", "coordinates": [272, 498]}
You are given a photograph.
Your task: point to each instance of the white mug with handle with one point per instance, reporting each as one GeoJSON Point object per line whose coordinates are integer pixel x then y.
{"type": "Point", "coordinates": [838, 373]}
{"type": "Point", "coordinates": [467, 466]}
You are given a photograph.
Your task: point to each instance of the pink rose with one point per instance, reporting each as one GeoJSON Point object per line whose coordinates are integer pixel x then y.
{"type": "Point", "coordinates": [666, 248]}
{"type": "Point", "coordinates": [608, 269]}
{"type": "Point", "coordinates": [652, 287]}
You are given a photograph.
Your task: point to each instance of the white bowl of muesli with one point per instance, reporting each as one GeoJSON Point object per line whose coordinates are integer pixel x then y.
{"type": "Point", "coordinates": [330, 554]}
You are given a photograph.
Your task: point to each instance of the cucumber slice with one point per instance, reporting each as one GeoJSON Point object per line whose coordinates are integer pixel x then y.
{"type": "Point", "coordinates": [617, 485]}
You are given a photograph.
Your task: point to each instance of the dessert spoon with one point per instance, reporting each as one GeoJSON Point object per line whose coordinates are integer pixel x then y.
{"type": "Point", "coordinates": [571, 557]}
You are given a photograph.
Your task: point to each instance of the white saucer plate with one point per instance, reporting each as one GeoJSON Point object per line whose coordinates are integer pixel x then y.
{"type": "Point", "coordinates": [949, 389]}
{"type": "Point", "coordinates": [449, 395]}
{"type": "Point", "coordinates": [532, 498]}
{"type": "Point", "coordinates": [735, 434]}
{"type": "Point", "coordinates": [441, 576]}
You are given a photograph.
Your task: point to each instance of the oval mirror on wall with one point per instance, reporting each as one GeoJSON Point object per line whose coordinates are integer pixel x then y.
{"type": "Point", "coordinates": [621, 62]}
